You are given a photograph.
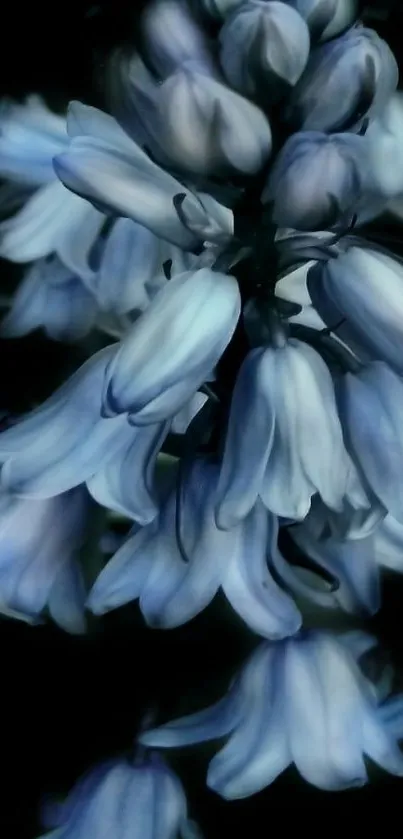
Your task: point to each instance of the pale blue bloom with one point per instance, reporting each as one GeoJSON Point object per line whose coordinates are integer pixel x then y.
{"type": "Point", "coordinates": [142, 799]}
{"type": "Point", "coordinates": [107, 167]}
{"type": "Point", "coordinates": [175, 574]}
{"type": "Point", "coordinates": [301, 701]}
{"type": "Point", "coordinates": [264, 44]}
{"type": "Point", "coordinates": [362, 289]}
{"type": "Point", "coordinates": [371, 408]}
{"type": "Point", "coordinates": [39, 544]}
{"type": "Point", "coordinates": [193, 121]}
{"type": "Point", "coordinates": [131, 270]}
{"type": "Point", "coordinates": [317, 180]}
{"type": "Point", "coordinates": [52, 298]}
{"type": "Point", "coordinates": [346, 80]}
{"type": "Point", "coordinates": [172, 37]}
{"type": "Point", "coordinates": [326, 18]}
{"type": "Point", "coordinates": [65, 441]}
{"type": "Point", "coordinates": [52, 219]}
{"type": "Point", "coordinates": [173, 347]}
{"type": "Point", "coordinates": [284, 440]}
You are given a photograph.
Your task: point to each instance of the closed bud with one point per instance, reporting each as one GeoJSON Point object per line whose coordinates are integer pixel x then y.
{"type": "Point", "coordinates": [315, 180]}
{"type": "Point", "coordinates": [263, 46]}
{"type": "Point", "coordinates": [326, 18]}
{"type": "Point", "coordinates": [172, 37]}
{"type": "Point", "coordinates": [345, 81]}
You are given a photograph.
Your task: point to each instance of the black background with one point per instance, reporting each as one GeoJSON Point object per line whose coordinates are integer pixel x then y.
{"type": "Point", "coordinates": [66, 703]}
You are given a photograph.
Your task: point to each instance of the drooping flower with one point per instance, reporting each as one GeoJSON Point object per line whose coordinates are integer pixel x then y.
{"type": "Point", "coordinates": [346, 80]}
{"type": "Point", "coordinates": [39, 569]}
{"type": "Point", "coordinates": [284, 440]}
{"type": "Point", "coordinates": [317, 180]}
{"type": "Point", "coordinates": [301, 701]}
{"type": "Point", "coordinates": [103, 164]}
{"type": "Point", "coordinates": [176, 565]}
{"type": "Point", "coordinates": [52, 298]}
{"type": "Point", "coordinates": [362, 290]}
{"type": "Point", "coordinates": [173, 347]}
{"type": "Point", "coordinates": [139, 800]}
{"type": "Point", "coordinates": [52, 219]}
{"type": "Point", "coordinates": [264, 48]}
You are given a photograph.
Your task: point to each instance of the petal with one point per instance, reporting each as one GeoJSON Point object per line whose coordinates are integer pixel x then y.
{"type": "Point", "coordinates": [30, 136]}
{"type": "Point", "coordinates": [63, 442]}
{"type": "Point", "coordinates": [248, 584]}
{"type": "Point", "coordinates": [210, 724]}
{"type": "Point", "coordinates": [324, 709]}
{"type": "Point", "coordinates": [67, 598]}
{"type": "Point", "coordinates": [248, 443]}
{"type": "Point", "coordinates": [153, 379]}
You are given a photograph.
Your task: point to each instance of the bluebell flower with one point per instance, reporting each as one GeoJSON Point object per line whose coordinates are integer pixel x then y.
{"type": "Point", "coordinates": [65, 441]}
{"type": "Point", "coordinates": [301, 701]}
{"type": "Point", "coordinates": [345, 80]}
{"type": "Point", "coordinates": [52, 298]}
{"type": "Point", "coordinates": [264, 44]}
{"type": "Point", "coordinates": [142, 799]}
{"type": "Point", "coordinates": [52, 220]}
{"type": "Point", "coordinates": [173, 347]}
{"type": "Point", "coordinates": [371, 415]}
{"type": "Point", "coordinates": [176, 573]}
{"type": "Point", "coordinates": [326, 18]}
{"type": "Point", "coordinates": [172, 37]}
{"type": "Point", "coordinates": [284, 440]}
{"type": "Point", "coordinates": [104, 165]}
{"type": "Point", "coordinates": [362, 290]}
{"type": "Point", "coordinates": [317, 180]}
{"type": "Point", "coordinates": [39, 569]}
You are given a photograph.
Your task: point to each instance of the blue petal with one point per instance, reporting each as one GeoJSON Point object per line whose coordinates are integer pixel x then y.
{"type": "Point", "coordinates": [66, 603]}
{"type": "Point", "coordinates": [65, 441]}
{"type": "Point", "coordinates": [125, 484]}
{"type": "Point", "coordinates": [51, 298]}
{"type": "Point", "coordinates": [30, 136]}
{"type": "Point", "coordinates": [153, 379]}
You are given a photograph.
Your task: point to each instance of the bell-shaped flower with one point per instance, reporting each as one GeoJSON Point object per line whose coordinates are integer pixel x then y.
{"type": "Point", "coordinates": [104, 165]}
{"type": "Point", "coordinates": [345, 81]}
{"type": "Point", "coordinates": [66, 441]}
{"type": "Point", "coordinates": [131, 270]}
{"type": "Point", "coordinates": [51, 298]}
{"type": "Point", "coordinates": [52, 220]}
{"type": "Point", "coordinates": [371, 415]}
{"type": "Point", "coordinates": [302, 701]}
{"type": "Point", "coordinates": [284, 440]}
{"type": "Point", "coordinates": [173, 347]}
{"type": "Point", "coordinates": [317, 180]}
{"type": "Point", "coordinates": [264, 48]}
{"type": "Point", "coordinates": [362, 291]}
{"type": "Point", "coordinates": [176, 565]}
{"type": "Point", "coordinates": [192, 121]}
{"type": "Point", "coordinates": [39, 569]}
{"type": "Point", "coordinates": [139, 799]}
{"type": "Point", "coordinates": [326, 18]}
{"type": "Point", "coordinates": [385, 148]}
{"type": "Point", "coordinates": [172, 37]}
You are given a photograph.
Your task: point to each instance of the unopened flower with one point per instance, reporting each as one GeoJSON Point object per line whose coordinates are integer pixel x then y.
{"type": "Point", "coordinates": [326, 18]}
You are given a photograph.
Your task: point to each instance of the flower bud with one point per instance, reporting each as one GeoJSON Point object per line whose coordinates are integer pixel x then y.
{"type": "Point", "coordinates": [172, 37]}
{"type": "Point", "coordinates": [208, 128]}
{"type": "Point", "coordinates": [345, 80]}
{"type": "Point", "coordinates": [262, 44]}
{"type": "Point", "coordinates": [315, 180]}
{"type": "Point", "coordinates": [326, 18]}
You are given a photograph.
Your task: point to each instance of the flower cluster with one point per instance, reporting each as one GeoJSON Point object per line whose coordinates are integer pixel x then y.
{"type": "Point", "coordinates": [211, 232]}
